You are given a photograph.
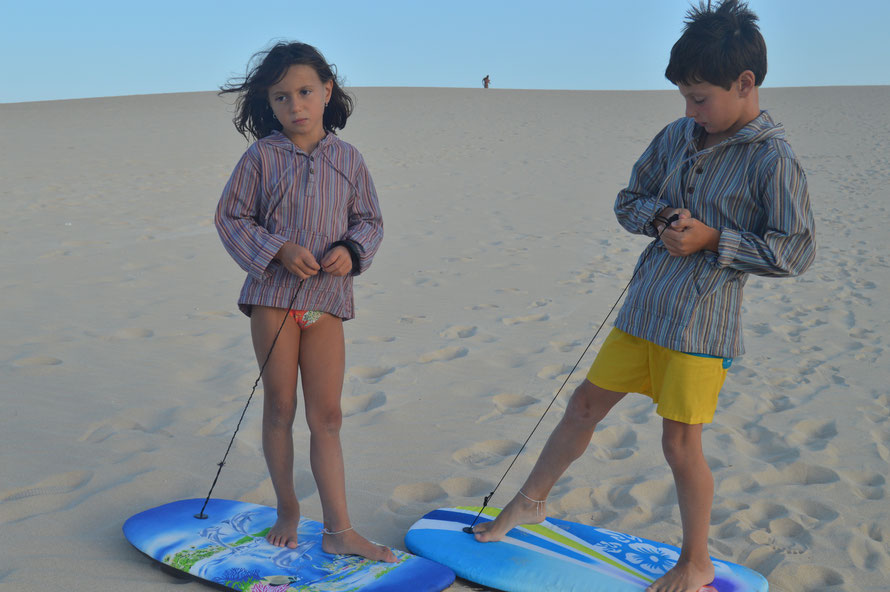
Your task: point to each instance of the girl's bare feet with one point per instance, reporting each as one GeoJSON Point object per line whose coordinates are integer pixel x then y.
{"type": "Point", "coordinates": [520, 510]}
{"type": "Point", "coordinates": [349, 542]}
{"type": "Point", "coordinates": [284, 532]}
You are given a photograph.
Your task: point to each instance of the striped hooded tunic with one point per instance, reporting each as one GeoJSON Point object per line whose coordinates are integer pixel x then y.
{"type": "Point", "coordinates": [278, 193]}
{"type": "Point", "coordinates": [752, 188]}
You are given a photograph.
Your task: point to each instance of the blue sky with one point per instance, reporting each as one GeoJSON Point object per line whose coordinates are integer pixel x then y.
{"type": "Point", "coordinates": [61, 50]}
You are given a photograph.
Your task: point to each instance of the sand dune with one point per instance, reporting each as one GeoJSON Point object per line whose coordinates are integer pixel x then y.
{"type": "Point", "coordinates": [125, 364]}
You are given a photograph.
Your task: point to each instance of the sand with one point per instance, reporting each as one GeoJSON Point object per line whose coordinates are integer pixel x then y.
{"type": "Point", "coordinates": [124, 363]}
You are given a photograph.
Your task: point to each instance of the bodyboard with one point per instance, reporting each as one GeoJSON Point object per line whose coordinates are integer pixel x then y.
{"type": "Point", "coordinates": [228, 550]}
{"type": "Point", "coordinates": [557, 556]}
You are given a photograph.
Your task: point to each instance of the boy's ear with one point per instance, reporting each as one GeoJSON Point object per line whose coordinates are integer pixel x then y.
{"type": "Point", "coordinates": [746, 82]}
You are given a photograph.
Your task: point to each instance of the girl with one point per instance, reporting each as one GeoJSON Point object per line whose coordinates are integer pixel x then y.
{"type": "Point", "coordinates": [300, 215]}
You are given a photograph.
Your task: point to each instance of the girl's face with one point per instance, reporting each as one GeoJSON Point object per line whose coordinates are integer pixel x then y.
{"type": "Point", "coordinates": [298, 101]}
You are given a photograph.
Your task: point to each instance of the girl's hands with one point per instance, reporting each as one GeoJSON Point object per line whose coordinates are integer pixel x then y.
{"type": "Point", "coordinates": [337, 261]}
{"type": "Point", "coordinates": [298, 260]}
{"type": "Point", "coordinates": [688, 235]}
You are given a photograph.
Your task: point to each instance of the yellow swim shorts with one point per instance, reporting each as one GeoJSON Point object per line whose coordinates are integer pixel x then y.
{"type": "Point", "coordinates": [683, 386]}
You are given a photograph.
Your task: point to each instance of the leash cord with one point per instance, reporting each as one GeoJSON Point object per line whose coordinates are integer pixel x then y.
{"type": "Point", "coordinates": [469, 529]}
{"type": "Point", "coordinates": [201, 515]}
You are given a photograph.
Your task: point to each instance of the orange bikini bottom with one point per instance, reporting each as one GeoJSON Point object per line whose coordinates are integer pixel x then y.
{"type": "Point", "coordinates": [305, 318]}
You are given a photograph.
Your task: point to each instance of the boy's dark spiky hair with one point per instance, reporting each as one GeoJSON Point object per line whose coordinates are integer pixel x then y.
{"type": "Point", "coordinates": [717, 45]}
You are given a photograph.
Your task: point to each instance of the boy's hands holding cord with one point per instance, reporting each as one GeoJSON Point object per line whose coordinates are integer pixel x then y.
{"type": "Point", "coordinates": [687, 235]}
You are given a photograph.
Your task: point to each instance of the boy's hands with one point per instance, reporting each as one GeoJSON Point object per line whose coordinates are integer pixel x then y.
{"type": "Point", "coordinates": [298, 260]}
{"type": "Point", "coordinates": [688, 235]}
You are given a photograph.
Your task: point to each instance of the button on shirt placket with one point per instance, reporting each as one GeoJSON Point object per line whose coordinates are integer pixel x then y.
{"type": "Point", "coordinates": [694, 177]}
{"type": "Point", "coordinates": [310, 186]}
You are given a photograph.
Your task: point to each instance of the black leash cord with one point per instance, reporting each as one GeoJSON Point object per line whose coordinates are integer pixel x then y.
{"type": "Point", "coordinates": [469, 529]}
{"type": "Point", "coordinates": [201, 515]}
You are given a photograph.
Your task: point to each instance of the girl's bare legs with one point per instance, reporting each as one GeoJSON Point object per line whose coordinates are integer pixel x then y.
{"type": "Point", "coordinates": [587, 407]}
{"type": "Point", "coordinates": [695, 493]}
{"type": "Point", "coordinates": [279, 408]}
{"type": "Point", "coordinates": [322, 360]}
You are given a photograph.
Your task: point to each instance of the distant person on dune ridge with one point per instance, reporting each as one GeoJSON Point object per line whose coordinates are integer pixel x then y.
{"type": "Point", "coordinates": [486, 81]}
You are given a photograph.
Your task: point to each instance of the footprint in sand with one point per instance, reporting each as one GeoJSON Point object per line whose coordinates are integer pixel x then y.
{"type": "Point", "coordinates": [130, 333]}
{"type": "Point", "coordinates": [410, 320]}
{"type": "Point", "coordinates": [57, 484]}
{"type": "Point", "coordinates": [507, 403]}
{"type": "Point", "coordinates": [813, 433]}
{"type": "Point", "coordinates": [867, 485]}
{"type": "Point", "coordinates": [367, 340]}
{"type": "Point", "coordinates": [483, 454]}
{"type": "Point", "coordinates": [797, 473]}
{"type": "Point", "coordinates": [868, 553]}
{"type": "Point", "coordinates": [481, 306]}
{"type": "Point", "coordinates": [413, 499]}
{"type": "Point", "coordinates": [614, 442]}
{"type": "Point", "coordinates": [362, 403]}
{"type": "Point", "coordinates": [556, 371]}
{"type": "Point", "coordinates": [532, 318]}
{"type": "Point", "coordinates": [371, 374]}
{"type": "Point", "coordinates": [205, 315]}
{"type": "Point", "coordinates": [37, 361]}
{"type": "Point", "coordinates": [46, 496]}
{"type": "Point", "coordinates": [566, 346]}
{"type": "Point", "coordinates": [466, 487]}
{"type": "Point", "coordinates": [446, 354]}
{"type": "Point", "coordinates": [783, 535]}
{"type": "Point", "coordinates": [418, 492]}
{"type": "Point", "coordinates": [145, 421]}
{"type": "Point", "coordinates": [458, 332]}
{"type": "Point", "coordinates": [806, 577]}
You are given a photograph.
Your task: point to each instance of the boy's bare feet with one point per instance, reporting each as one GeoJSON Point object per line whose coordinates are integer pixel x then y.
{"type": "Point", "coordinates": [352, 543]}
{"type": "Point", "coordinates": [284, 532]}
{"type": "Point", "coordinates": [686, 576]}
{"type": "Point", "coordinates": [520, 510]}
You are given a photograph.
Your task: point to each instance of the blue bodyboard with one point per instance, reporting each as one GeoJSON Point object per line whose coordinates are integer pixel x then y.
{"type": "Point", "coordinates": [557, 556]}
{"type": "Point", "coordinates": [228, 550]}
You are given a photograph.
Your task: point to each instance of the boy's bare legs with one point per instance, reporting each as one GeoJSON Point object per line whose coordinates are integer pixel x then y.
{"type": "Point", "coordinates": [695, 493]}
{"type": "Point", "coordinates": [322, 361]}
{"type": "Point", "coordinates": [587, 407]}
{"type": "Point", "coordinates": [279, 408]}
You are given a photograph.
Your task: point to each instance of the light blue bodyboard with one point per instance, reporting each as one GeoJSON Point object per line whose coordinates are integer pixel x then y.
{"type": "Point", "coordinates": [557, 556]}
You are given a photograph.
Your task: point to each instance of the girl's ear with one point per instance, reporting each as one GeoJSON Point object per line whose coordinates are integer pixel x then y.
{"type": "Point", "coordinates": [328, 89]}
{"type": "Point", "coordinates": [746, 83]}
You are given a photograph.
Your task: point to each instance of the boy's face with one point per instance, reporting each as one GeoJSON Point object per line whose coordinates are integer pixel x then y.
{"type": "Point", "coordinates": [721, 112]}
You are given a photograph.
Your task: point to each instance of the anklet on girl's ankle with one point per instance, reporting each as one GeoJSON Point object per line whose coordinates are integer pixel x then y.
{"type": "Point", "coordinates": [331, 532]}
{"type": "Point", "coordinates": [539, 504]}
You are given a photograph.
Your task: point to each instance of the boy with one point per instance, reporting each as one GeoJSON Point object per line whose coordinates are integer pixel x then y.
{"type": "Point", "coordinates": [741, 197]}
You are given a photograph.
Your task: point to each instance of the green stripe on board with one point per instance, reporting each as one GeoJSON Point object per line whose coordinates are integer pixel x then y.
{"type": "Point", "coordinates": [562, 539]}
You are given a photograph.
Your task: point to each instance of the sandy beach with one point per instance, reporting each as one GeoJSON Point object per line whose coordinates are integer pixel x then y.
{"type": "Point", "coordinates": [125, 364]}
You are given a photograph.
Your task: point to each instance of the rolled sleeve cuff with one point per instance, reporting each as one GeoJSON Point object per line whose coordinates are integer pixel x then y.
{"type": "Point", "coordinates": [728, 247]}
{"type": "Point", "coordinates": [265, 255]}
{"type": "Point", "coordinates": [649, 228]}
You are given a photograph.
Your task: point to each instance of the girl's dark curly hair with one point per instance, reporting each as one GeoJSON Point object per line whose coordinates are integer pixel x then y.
{"type": "Point", "coordinates": [253, 115]}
